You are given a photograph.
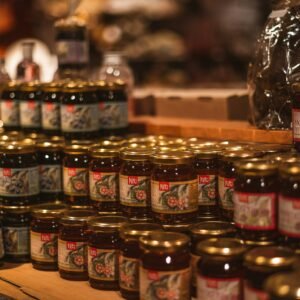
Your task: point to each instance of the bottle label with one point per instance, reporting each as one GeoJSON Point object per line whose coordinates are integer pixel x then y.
{"type": "Point", "coordinates": [104, 186]}
{"type": "Point", "coordinates": [113, 115]}
{"type": "Point", "coordinates": [217, 288]}
{"type": "Point", "coordinates": [194, 262]}
{"type": "Point", "coordinates": [19, 182]}
{"type": "Point", "coordinates": [43, 246]}
{"type": "Point", "coordinates": [72, 256]}
{"type": "Point", "coordinates": [174, 197]}
{"type": "Point", "coordinates": [165, 285]}
{"type": "Point", "coordinates": [50, 178]}
{"type": "Point", "coordinates": [75, 181]}
{"type": "Point", "coordinates": [129, 273]}
{"type": "Point", "coordinates": [30, 113]}
{"type": "Point", "coordinates": [16, 240]}
{"type": "Point", "coordinates": [51, 116]}
{"type": "Point", "coordinates": [277, 13]}
{"type": "Point", "coordinates": [72, 52]}
{"type": "Point", "coordinates": [255, 211]}
{"type": "Point", "coordinates": [207, 189]}
{"type": "Point", "coordinates": [79, 117]}
{"type": "Point", "coordinates": [1, 245]}
{"type": "Point", "coordinates": [226, 192]}
{"type": "Point", "coordinates": [296, 124]}
{"type": "Point", "coordinates": [289, 216]}
{"type": "Point", "coordinates": [10, 112]}
{"type": "Point", "coordinates": [102, 264]}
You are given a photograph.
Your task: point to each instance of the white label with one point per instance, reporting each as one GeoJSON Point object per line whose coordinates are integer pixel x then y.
{"type": "Point", "coordinates": [72, 52]}
{"type": "Point", "coordinates": [10, 112]}
{"type": "Point", "coordinates": [30, 113]}
{"type": "Point", "coordinates": [1, 245]}
{"type": "Point", "coordinates": [277, 13]}
{"type": "Point", "coordinates": [50, 178]}
{"type": "Point", "coordinates": [253, 294]}
{"type": "Point", "coordinates": [75, 181]}
{"type": "Point", "coordinates": [296, 124]}
{"type": "Point", "coordinates": [51, 115]}
{"type": "Point", "coordinates": [16, 240]}
{"type": "Point", "coordinates": [129, 273]}
{"type": "Point", "coordinates": [226, 192]}
{"type": "Point", "coordinates": [207, 193]}
{"type": "Point", "coordinates": [113, 115]}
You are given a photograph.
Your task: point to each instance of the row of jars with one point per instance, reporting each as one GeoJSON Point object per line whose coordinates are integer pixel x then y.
{"type": "Point", "coordinates": [76, 110]}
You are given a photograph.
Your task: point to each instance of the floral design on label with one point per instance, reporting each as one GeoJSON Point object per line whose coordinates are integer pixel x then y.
{"type": "Point", "coordinates": [16, 240]}
{"type": "Point", "coordinates": [103, 186]}
{"type": "Point", "coordinates": [173, 285]}
{"type": "Point", "coordinates": [72, 52]}
{"type": "Point", "coordinates": [113, 115]}
{"type": "Point", "coordinates": [50, 178]}
{"type": "Point", "coordinates": [254, 294]}
{"type": "Point", "coordinates": [194, 262]}
{"type": "Point", "coordinates": [72, 256]}
{"type": "Point", "coordinates": [19, 182]}
{"type": "Point", "coordinates": [30, 113]}
{"type": "Point", "coordinates": [102, 264]}
{"type": "Point", "coordinates": [207, 185]}
{"type": "Point", "coordinates": [51, 115]}
{"type": "Point", "coordinates": [79, 117]}
{"type": "Point", "coordinates": [1, 245]}
{"type": "Point", "coordinates": [75, 181]}
{"type": "Point", "coordinates": [174, 197]}
{"type": "Point", "coordinates": [226, 192]}
{"type": "Point", "coordinates": [43, 246]}
{"type": "Point", "coordinates": [129, 273]}
{"type": "Point", "coordinates": [10, 112]}
{"type": "Point", "coordinates": [255, 211]}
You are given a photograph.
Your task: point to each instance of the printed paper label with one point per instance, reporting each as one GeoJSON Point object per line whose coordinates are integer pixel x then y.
{"type": "Point", "coordinates": [129, 273]}
{"type": "Point", "coordinates": [113, 115]}
{"type": "Point", "coordinates": [207, 189]}
{"type": "Point", "coordinates": [1, 245]}
{"type": "Point", "coordinates": [226, 192]}
{"type": "Point", "coordinates": [10, 112]}
{"type": "Point", "coordinates": [50, 178]}
{"type": "Point", "coordinates": [30, 113]}
{"type": "Point", "coordinates": [72, 52]}
{"type": "Point", "coordinates": [51, 115]}
{"type": "Point", "coordinates": [253, 294]}
{"type": "Point", "coordinates": [16, 240]}
{"type": "Point", "coordinates": [75, 181]}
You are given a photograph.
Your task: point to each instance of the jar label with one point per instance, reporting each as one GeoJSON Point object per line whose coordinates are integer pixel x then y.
{"type": "Point", "coordinates": [174, 197]}
{"type": "Point", "coordinates": [16, 240]}
{"type": "Point", "coordinates": [76, 181]}
{"type": "Point", "coordinates": [102, 264]}
{"type": "Point", "coordinates": [1, 245]}
{"type": "Point", "coordinates": [289, 216]}
{"type": "Point", "coordinates": [226, 192]}
{"type": "Point", "coordinates": [10, 112]}
{"type": "Point", "coordinates": [134, 190]}
{"type": "Point", "coordinates": [104, 186]}
{"type": "Point", "coordinates": [50, 178]}
{"type": "Point", "coordinates": [194, 262]}
{"type": "Point", "coordinates": [30, 113]}
{"type": "Point", "coordinates": [72, 52]}
{"type": "Point", "coordinates": [79, 117]}
{"type": "Point", "coordinates": [51, 115]}
{"type": "Point", "coordinates": [129, 273]}
{"type": "Point", "coordinates": [113, 115]}
{"type": "Point", "coordinates": [43, 246]}
{"type": "Point", "coordinates": [19, 182]}
{"type": "Point", "coordinates": [207, 189]}
{"type": "Point", "coordinates": [254, 294]}
{"type": "Point", "coordinates": [255, 211]}
{"type": "Point", "coordinates": [217, 288]}
{"type": "Point", "coordinates": [72, 256]}
{"type": "Point", "coordinates": [165, 285]}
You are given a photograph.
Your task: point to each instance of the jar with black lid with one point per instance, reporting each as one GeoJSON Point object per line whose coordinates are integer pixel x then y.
{"type": "Point", "coordinates": [130, 257]}
{"type": "Point", "coordinates": [255, 200]}
{"type": "Point", "coordinates": [19, 175]}
{"type": "Point", "coordinates": [104, 169]}
{"type": "Point", "coordinates": [261, 263]}
{"type": "Point", "coordinates": [103, 252]}
{"type": "Point", "coordinates": [220, 269]}
{"type": "Point", "coordinates": [135, 179]}
{"type": "Point", "coordinates": [79, 111]}
{"type": "Point", "coordinates": [174, 187]}
{"type": "Point", "coordinates": [72, 244]}
{"type": "Point", "coordinates": [165, 266]}
{"type": "Point", "coordinates": [16, 233]}
{"type": "Point", "coordinates": [44, 235]}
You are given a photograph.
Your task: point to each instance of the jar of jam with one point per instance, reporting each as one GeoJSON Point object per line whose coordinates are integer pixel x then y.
{"type": "Point", "coordinates": [72, 244]}
{"type": "Point", "coordinates": [135, 178]}
{"type": "Point", "coordinates": [261, 263]}
{"type": "Point", "coordinates": [255, 200]}
{"type": "Point", "coordinates": [165, 266]}
{"type": "Point", "coordinates": [220, 269]}
{"type": "Point", "coordinates": [200, 232]}
{"type": "Point", "coordinates": [130, 257]}
{"type": "Point", "coordinates": [9, 104]}
{"type": "Point", "coordinates": [79, 111]}
{"type": "Point", "coordinates": [103, 252]}
{"type": "Point", "coordinates": [16, 230]}
{"type": "Point", "coordinates": [19, 175]}
{"type": "Point", "coordinates": [104, 171]}
{"type": "Point", "coordinates": [44, 235]}
{"type": "Point", "coordinates": [174, 187]}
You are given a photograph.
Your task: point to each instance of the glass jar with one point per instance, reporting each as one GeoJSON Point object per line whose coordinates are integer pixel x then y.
{"type": "Point", "coordinates": [261, 263]}
{"type": "Point", "coordinates": [44, 235]}
{"type": "Point", "coordinates": [255, 200]}
{"type": "Point", "coordinates": [174, 188]}
{"type": "Point", "coordinates": [19, 175]}
{"type": "Point", "coordinates": [220, 270]}
{"type": "Point", "coordinates": [103, 252]}
{"type": "Point", "coordinates": [16, 231]}
{"type": "Point", "coordinates": [135, 177]}
{"type": "Point", "coordinates": [72, 244]}
{"type": "Point", "coordinates": [104, 171]}
{"type": "Point", "coordinates": [165, 266]}
{"type": "Point", "coordinates": [130, 257]}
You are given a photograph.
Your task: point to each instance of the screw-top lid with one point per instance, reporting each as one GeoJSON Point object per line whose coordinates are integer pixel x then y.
{"type": "Point", "coordinates": [77, 217]}
{"type": "Point", "coordinates": [271, 148]}
{"type": "Point", "coordinates": [100, 152]}
{"type": "Point", "coordinates": [107, 223]}
{"type": "Point", "coordinates": [256, 168]}
{"type": "Point", "coordinates": [136, 154]}
{"type": "Point", "coordinates": [16, 209]}
{"type": "Point", "coordinates": [263, 243]}
{"type": "Point", "coordinates": [236, 155]}
{"type": "Point", "coordinates": [17, 148]}
{"type": "Point", "coordinates": [180, 227]}
{"type": "Point", "coordinates": [31, 86]}
{"type": "Point", "coordinates": [54, 86]}
{"type": "Point", "coordinates": [77, 148]}
{"type": "Point", "coordinates": [133, 231]}
{"type": "Point", "coordinates": [287, 170]}
{"type": "Point", "coordinates": [49, 145]}
{"type": "Point", "coordinates": [212, 229]}
{"type": "Point", "coordinates": [170, 158]}
{"type": "Point", "coordinates": [49, 210]}
{"type": "Point", "coordinates": [77, 87]}
{"type": "Point", "coordinates": [204, 153]}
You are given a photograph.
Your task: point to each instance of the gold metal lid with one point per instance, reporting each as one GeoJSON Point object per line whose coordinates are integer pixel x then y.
{"type": "Point", "coordinates": [77, 148]}
{"type": "Point", "coordinates": [204, 153]}
{"type": "Point", "coordinates": [15, 209]}
{"type": "Point", "coordinates": [17, 148]}
{"type": "Point", "coordinates": [11, 136]}
{"type": "Point", "coordinates": [256, 168]}
{"type": "Point", "coordinates": [12, 85]}
{"type": "Point", "coordinates": [77, 216]}
{"type": "Point", "coordinates": [136, 154]}
{"type": "Point", "coordinates": [54, 86]}
{"type": "Point", "coordinates": [49, 145]}
{"type": "Point", "coordinates": [107, 223]}
{"type": "Point", "coordinates": [143, 219]}
{"type": "Point", "coordinates": [77, 87]}
{"type": "Point", "coordinates": [183, 228]}
{"type": "Point", "coordinates": [100, 152]}
{"type": "Point", "coordinates": [49, 210]}
{"type": "Point", "coordinates": [289, 170]}
{"type": "Point", "coordinates": [36, 136]}
{"type": "Point", "coordinates": [133, 231]}
{"type": "Point", "coordinates": [205, 145]}
{"type": "Point", "coordinates": [31, 86]}
{"type": "Point", "coordinates": [109, 213]}
{"type": "Point", "coordinates": [57, 139]}
{"type": "Point", "coordinates": [212, 228]}
{"type": "Point", "coordinates": [236, 155]}
{"type": "Point", "coordinates": [117, 84]}
{"type": "Point", "coordinates": [170, 158]}
{"type": "Point", "coordinates": [170, 148]}
{"type": "Point", "coordinates": [81, 207]}
{"type": "Point", "coordinates": [263, 243]}
{"type": "Point", "coordinates": [271, 148]}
